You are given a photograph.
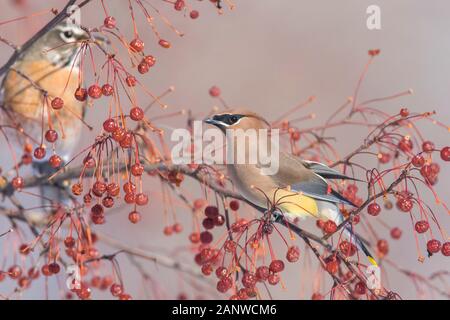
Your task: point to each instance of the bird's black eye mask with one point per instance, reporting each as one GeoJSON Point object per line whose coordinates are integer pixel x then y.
{"type": "Point", "coordinates": [228, 119]}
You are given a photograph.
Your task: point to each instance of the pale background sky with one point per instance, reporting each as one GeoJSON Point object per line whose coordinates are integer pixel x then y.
{"type": "Point", "coordinates": [268, 55]}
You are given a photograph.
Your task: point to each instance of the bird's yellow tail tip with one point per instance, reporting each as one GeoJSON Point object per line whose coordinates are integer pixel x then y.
{"type": "Point", "coordinates": [372, 261]}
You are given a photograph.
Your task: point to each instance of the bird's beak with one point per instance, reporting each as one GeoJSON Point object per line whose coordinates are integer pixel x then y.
{"type": "Point", "coordinates": [212, 121]}
{"type": "Point", "coordinates": [101, 40]}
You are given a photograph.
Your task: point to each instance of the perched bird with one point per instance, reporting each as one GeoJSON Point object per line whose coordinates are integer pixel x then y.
{"type": "Point", "coordinates": [298, 189]}
{"type": "Point", "coordinates": [50, 65]}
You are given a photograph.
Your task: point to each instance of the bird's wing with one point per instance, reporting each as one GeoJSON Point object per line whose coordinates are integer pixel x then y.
{"type": "Point", "coordinates": [325, 171]}
{"type": "Point", "coordinates": [301, 177]}
{"type": "Point", "coordinates": [320, 191]}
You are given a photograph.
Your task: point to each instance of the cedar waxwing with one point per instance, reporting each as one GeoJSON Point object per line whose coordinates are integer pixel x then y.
{"type": "Point", "coordinates": [298, 189]}
{"type": "Point", "coordinates": [52, 64]}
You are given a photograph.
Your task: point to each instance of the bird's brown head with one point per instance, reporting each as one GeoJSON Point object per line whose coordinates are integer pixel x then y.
{"type": "Point", "coordinates": [238, 119]}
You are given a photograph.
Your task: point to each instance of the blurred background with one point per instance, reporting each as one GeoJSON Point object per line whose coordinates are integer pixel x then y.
{"type": "Point", "coordinates": [268, 56]}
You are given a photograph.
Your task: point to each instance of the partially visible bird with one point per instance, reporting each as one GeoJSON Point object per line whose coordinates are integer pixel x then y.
{"type": "Point", "coordinates": [50, 65]}
{"type": "Point", "coordinates": [299, 188]}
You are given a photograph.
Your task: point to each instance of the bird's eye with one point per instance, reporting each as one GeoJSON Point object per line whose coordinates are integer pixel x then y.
{"type": "Point", "coordinates": [68, 34]}
{"type": "Point", "coordinates": [233, 119]}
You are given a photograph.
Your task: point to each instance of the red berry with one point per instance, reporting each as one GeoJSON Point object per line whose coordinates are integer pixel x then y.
{"type": "Point", "coordinates": [141, 199]}
{"type": "Point", "coordinates": [433, 246]}
{"type": "Point", "coordinates": [129, 187]}
{"type": "Point", "coordinates": [134, 217]}
{"type": "Point", "coordinates": [108, 202]}
{"type": "Point", "coordinates": [177, 227]}
{"type": "Point", "coordinates": [110, 22]}
{"type": "Point", "coordinates": [214, 91]}
{"type": "Point", "coordinates": [249, 280]}
{"type": "Point", "coordinates": [404, 112]}
{"type": "Point", "coordinates": [329, 227]}
{"type": "Point", "coordinates": [137, 45]}
{"type": "Point", "coordinates": [131, 81]}
{"type": "Point", "coordinates": [119, 134]}
{"type": "Point", "coordinates": [99, 188]}
{"type": "Point", "coordinates": [221, 272]}
{"type": "Point", "coordinates": [46, 270]}
{"type": "Point", "coordinates": [113, 189]}
{"type": "Point", "coordinates": [293, 254]}
{"type": "Point", "coordinates": [39, 153]}
{"type": "Point", "coordinates": [276, 266]}
{"type": "Point", "coordinates": [418, 161]}
{"type": "Point", "coordinates": [164, 43]}
{"type": "Point", "coordinates": [109, 125]}
{"type": "Point", "coordinates": [219, 220]}
{"type": "Point", "coordinates": [95, 91]}
{"type": "Point", "coordinates": [234, 205]}
{"type": "Point", "coordinates": [295, 135]}
{"type": "Point", "coordinates": [405, 144]}
{"type": "Point", "coordinates": [206, 237]}
{"type": "Point", "coordinates": [15, 272]}
{"type": "Point", "coordinates": [54, 267]}
{"type": "Point", "coordinates": [150, 60]}
{"type": "Point", "coordinates": [130, 198]}
{"type": "Point", "coordinates": [404, 204]}
{"type": "Point", "coordinates": [179, 5]}
{"type": "Point", "coordinates": [273, 279]}
{"type": "Point", "coordinates": [211, 211]}
{"type": "Point", "coordinates": [384, 157]}
{"type": "Point", "coordinates": [51, 135]}
{"type": "Point", "coordinates": [136, 114]}
{"type": "Point", "coordinates": [360, 288]}
{"type": "Point", "coordinates": [445, 154]}
{"type": "Point", "coordinates": [224, 284]}
{"type": "Point", "coordinates": [143, 68]}
{"type": "Point", "coordinates": [396, 233]}
{"type": "Point", "coordinates": [208, 223]}
{"type": "Point", "coordinates": [422, 226]}
{"type": "Point", "coordinates": [55, 161]}
{"type": "Point", "coordinates": [383, 247]}
{"type": "Point", "coordinates": [374, 209]}
{"type": "Point", "coordinates": [57, 103]}
{"type": "Point", "coordinates": [107, 89]}
{"type": "Point", "coordinates": [116, 289]}
{"type": "Point", "coordinates": [69, 242]}
{"type": "Point", "coordinates": [81, 94]}
{"type": "Point", "coordinates": [262, 273]}
{"type": "Point", "coordinates": [347, 248]}
{"type": "Point", "coordinates": [427, 146]}
{"type": "Point", "coordinates": [194, 14]}
{"type": "Point", "coordinates": [446, 249]}
{"type": "Point", "coordinates": [17, 183]}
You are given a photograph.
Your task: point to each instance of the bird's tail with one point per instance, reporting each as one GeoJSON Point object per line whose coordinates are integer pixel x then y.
{"type": "Point", "coordinates": [52, 195]}
{"type": "Point", "coordinates": [360, 244]}
{"type": "Point", "coordinates": [331, 211]}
